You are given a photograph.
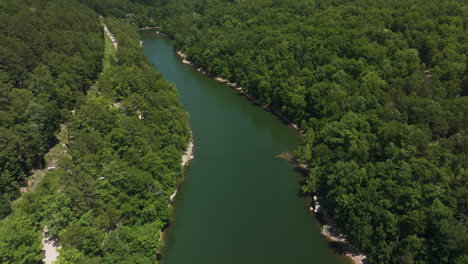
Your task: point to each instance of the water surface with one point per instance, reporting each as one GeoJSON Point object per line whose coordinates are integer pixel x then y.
{"type": "Point", "coordinates": [239, 204]}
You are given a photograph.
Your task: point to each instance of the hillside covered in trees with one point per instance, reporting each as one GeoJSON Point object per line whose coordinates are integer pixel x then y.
{"type": "Point", "coordinates": [47, 62]}
{"type": "Point", "coordinates": [107, 201]}
{"type": "Point", "coordinates": [380, 88]}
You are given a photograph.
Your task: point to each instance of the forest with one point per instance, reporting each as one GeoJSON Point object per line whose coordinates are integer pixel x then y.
{"type": "Point", "coordinates": [379, 88]}
{"type": "Point", "coordinates": [107, 201]}
{"type": "Point", "coordinates": [43, 75]}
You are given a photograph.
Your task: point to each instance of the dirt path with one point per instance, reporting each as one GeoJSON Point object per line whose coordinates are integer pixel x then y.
{"type": "Point", "coordinates": [50, 248]}
{"type": "Point", "coordinates": [147, 28]}
{"type": "Point", "coordinates": [49, 245]}
{"type": "Point", "coordinates": [52, 158]}
{"type": "Point", "coordinates": [59, 151]}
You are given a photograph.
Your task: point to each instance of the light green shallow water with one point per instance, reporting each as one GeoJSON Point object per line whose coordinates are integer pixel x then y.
{"type": "Point", "coordinates": [238, 204]}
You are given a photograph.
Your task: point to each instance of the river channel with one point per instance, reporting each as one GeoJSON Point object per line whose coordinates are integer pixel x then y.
{"type": "Point", "coordinates": [239, 204]}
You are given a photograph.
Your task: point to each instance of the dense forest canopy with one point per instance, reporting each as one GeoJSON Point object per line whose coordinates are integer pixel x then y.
{"type": "Point", "coordinates": [380, 88]}
{"type": "Point", "coordinates": [47, 61]}
{"type": "Point", "coordinates": [107, 201]}
{"type": "Point", "coordinates": [127, 146]}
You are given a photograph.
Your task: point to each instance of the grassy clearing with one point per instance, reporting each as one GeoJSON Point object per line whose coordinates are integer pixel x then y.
{"type": "Point", "coordinates": [59, 151]}
{"type": "Point", "coordinates": [109, 52]}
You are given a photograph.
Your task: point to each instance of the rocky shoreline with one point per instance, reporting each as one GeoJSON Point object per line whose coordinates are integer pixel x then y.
{"type": "Point", "coordinates": [333, 233]}
{"type": "Point", "coordinates": [188, 155]}
{"type": "Point", "coordinates": [185, 160]}
{"type": "Point", "coordinates": [329, 228]}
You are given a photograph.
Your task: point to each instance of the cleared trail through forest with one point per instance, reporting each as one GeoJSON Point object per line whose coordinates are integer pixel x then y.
{"type": "Point", "coordinates": [49, 244]}
{"type": "Point", "coordinates": [111, 36]}
{"type": "Point", "coordinates": [115, 43]}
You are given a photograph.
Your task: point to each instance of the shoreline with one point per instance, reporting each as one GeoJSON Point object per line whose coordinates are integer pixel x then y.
{"type": "Point", "coordinates": [185, 160]}
{"type": "Point", "coordinates": [333, 233]}
{"type": "Point", "coordinates": [188, 155]}
{"type": "Point", "coordinates": [280, 115]}
{"type": "Point", "coordinates": [357, 258]}
{"type": "Point", "coordinates": [329, 229]}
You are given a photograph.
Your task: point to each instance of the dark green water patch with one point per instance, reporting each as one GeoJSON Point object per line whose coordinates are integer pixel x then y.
{"type": "Point", "coordinates": [239, 203]}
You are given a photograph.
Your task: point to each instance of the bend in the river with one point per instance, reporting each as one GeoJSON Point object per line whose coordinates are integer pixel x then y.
{"type": "Point", "coordinates": [238, 204]}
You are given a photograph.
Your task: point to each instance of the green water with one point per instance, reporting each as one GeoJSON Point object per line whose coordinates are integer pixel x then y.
{"type": "Point", "coordinates": [238, 204]}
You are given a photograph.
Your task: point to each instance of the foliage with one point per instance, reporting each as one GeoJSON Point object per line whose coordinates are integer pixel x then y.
{"type": "Point", "coordinates": [127, 142]}
{"type": "Point", "coordinates": [19, 242]}
{"type": "Point", "coordinates": [47, 62]}
{"type": "Point", "coordinates": [380, 89]}
{"type": "Point", "coordinates": [108, 200]}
